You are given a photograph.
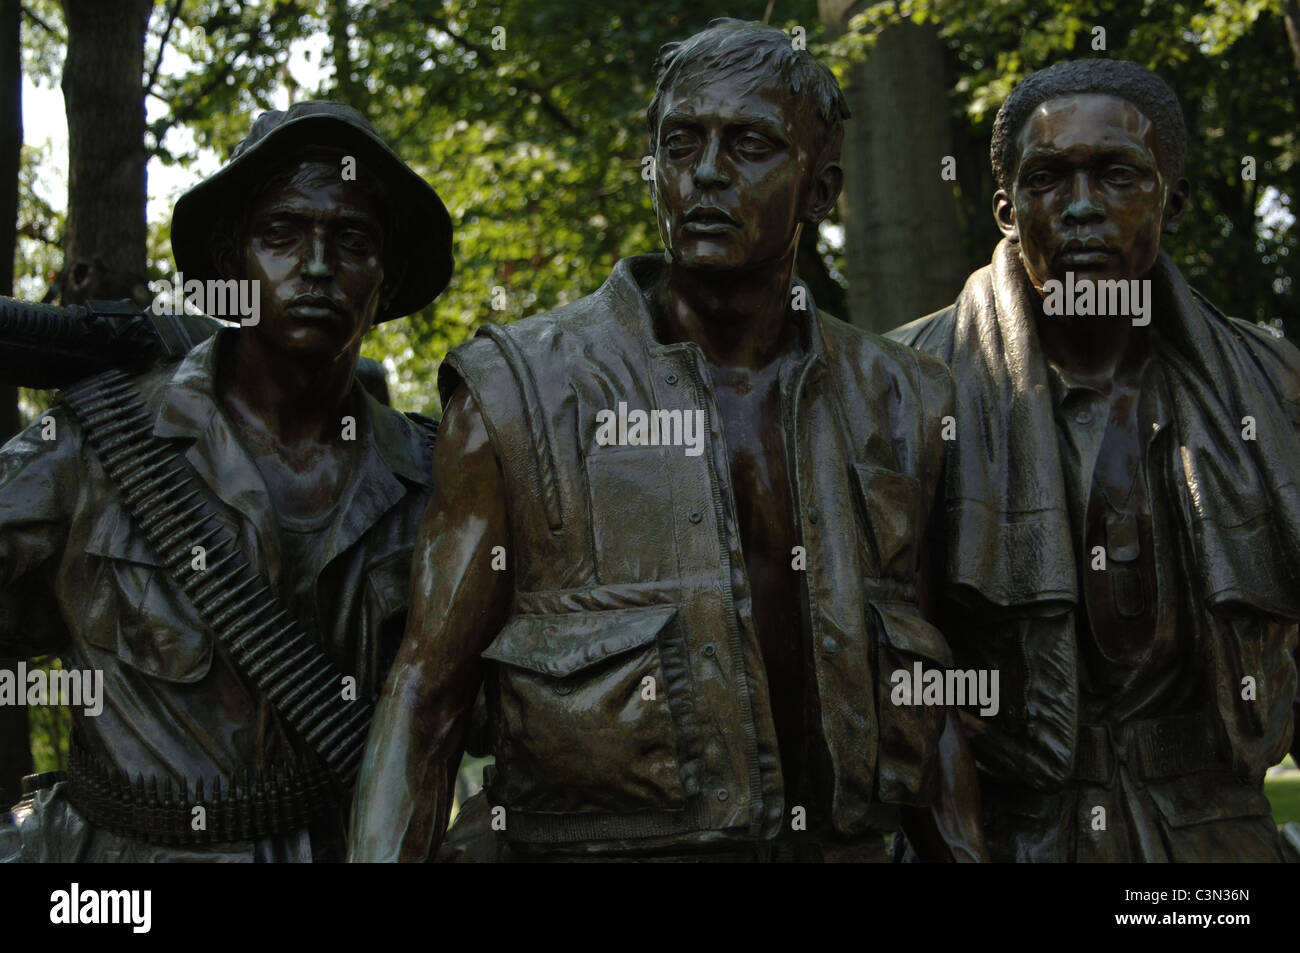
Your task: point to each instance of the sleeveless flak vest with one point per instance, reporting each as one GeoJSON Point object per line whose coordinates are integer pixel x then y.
{"type": "Point", "coordinates": [627, 693]}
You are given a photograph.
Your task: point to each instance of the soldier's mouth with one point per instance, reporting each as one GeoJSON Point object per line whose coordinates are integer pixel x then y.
{"type": "Point", "coordinates": [1084, 252]}
{"type": "Point", "coordinates": [708, 219]}
{"type": "Point", "coordinates": [314, 307]}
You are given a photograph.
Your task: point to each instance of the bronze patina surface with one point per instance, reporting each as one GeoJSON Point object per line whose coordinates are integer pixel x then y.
{"type": "Point", "coordinates": [318, 485]}
{"type": "Point", "coordinates": [686, 642]}
{"type": "Point", "coordinates": [1122, 499]}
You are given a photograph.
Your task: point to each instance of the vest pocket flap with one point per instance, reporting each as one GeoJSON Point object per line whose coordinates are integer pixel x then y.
{"type": "Point", "coordinates": [906, 630]}
{"type": "Point", "coordinates": [136, 610]}
{"type": "Point", "coordinates": [114, 537]}
{"type": "Point", "coordinates": [560, 645]}
{"type": "Point", "coordinates": [889, 502]}
{"type": "Point", "coordinates": [1199, 799]}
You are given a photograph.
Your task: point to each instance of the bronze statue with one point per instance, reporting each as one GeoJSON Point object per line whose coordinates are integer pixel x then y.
{"type": "Point", "coordinates": [1123, 519]}
{"type": "Point", "coordinates": [675, 532]}
{"type": "Point", "coordinates": [225, 540]}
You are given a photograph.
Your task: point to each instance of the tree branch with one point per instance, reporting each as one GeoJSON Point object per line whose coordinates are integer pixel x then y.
{"type": "Point", "coordinates": [44, 26]}
{"type": "Point", "coordinates": [483, 53]}
{"type": "Point", "coordinates": [162, 45]}
{"type": "Point", "coordinates": [183, 114]}
{"type": "Point", "coordinates": [1291, 17]}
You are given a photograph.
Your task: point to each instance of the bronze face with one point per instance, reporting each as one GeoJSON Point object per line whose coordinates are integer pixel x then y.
{"type": "Point", "coordinates": [1088, 195]}
{"type": "Point", "coordinates": [316, 246]}
{"type": "Point", "coordinates": [734, 174]}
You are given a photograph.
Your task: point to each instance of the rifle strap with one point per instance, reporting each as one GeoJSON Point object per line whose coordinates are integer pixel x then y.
{"type": "Point", "coordinates": [171, 506]}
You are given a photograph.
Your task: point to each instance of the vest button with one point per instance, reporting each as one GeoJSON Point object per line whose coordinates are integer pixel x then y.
{"type": "Point", "coordinates": [709, 650]}
{"type": "Point", "coordinates": [671, 377]}
{"type": "Point", "coordinates": [812, 515]}
{"type": "Point", "coordinates": [722, 794]}
{"type": "Point", "coordinates": [829, 644]}
{"type": "Point", "coordinates": [695, 516]}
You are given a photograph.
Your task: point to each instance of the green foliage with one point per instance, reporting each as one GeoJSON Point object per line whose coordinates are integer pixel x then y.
{"type": "Point", "coordinates": [49, 726]}
{"type": "Point", "coordinates": [1229, 62]}
{"type": "Point", "coordinates": [536, 148]}
{"type": "Point", "coordinates": [41, 223]}
{"type": "Point", "coordinates": [44, 39]}
{"type": "Point", "coordinates": [233, 57]}
{"type": "Point", "coordinates": [1283, 792]}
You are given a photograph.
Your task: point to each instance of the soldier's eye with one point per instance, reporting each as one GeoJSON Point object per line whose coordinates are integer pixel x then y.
{"type": "Point", "coordinates": [1121, 175]}
{"type": "Point", "coordinates": [1041, 179]}
{"type": "Point", "coordinates": [277, 234]}
{"type": "Point", "coordinates": [753, 146]}
{"type": "Point", "coordinates": [357, 241]}
{"type": "Point", "coordinates": [678, 143]}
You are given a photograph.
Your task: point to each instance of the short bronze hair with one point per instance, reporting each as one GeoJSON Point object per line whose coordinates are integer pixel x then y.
{"type": "Point", "coordinates": [1122, 78]}
{"type": "Point", "coordinates": [751, 49]}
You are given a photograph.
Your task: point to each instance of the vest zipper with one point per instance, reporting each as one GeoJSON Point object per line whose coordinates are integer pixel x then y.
{"type": "Point", "coordinates": [729, 607]}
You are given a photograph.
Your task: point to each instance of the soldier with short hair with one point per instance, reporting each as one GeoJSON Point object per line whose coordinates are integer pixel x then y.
{"type": "Point", "coordinates": [1122, 498]}
{"type": "Point", "coordinates": [675, 531]}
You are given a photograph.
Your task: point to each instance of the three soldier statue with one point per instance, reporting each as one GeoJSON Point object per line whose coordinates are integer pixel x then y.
{"type": "Point", "coordinates": [711, 574]}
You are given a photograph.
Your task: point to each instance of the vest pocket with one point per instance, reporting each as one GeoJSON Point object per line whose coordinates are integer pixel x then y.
{"type": "Point", "coordinates": [136, 610]}
{"type": "Point", "coordinates": [889, 500]}
{"type": "Point", "coordinates": [632, 514]}
{"type": "Point", "coordinates": [910, 725]}
{"type": "Point", "coordinates": [581, 715]}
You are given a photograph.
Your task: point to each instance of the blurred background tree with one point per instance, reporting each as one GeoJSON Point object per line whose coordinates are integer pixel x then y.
{"type": "Point", "coordinates": [529, 119]}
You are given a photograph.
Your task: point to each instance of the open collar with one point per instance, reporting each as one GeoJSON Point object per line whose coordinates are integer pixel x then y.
{"type": "Point", "coordinates": [392, 447]}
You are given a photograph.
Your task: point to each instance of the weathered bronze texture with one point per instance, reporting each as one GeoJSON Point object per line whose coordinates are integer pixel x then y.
{"type": "Point", "coordinates": [1122, 499]}
{"type": "Point", "coordinates": [686, 645]}
{"type": "Point", "coordinates": [318, 485]}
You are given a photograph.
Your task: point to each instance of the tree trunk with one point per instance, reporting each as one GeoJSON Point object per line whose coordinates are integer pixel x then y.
{"type": "Point", "coordinates": [904, 254]}
{"type": "Point", "coordinates": [103, 94]}
{"type": "Point", "coordinates": [1291, 17]}
{"type": "Point", "coordinates": [15, 750]}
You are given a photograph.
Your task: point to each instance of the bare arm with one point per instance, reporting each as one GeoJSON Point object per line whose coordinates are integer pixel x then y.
{"type": "Point", "coordinates": [458, 604]}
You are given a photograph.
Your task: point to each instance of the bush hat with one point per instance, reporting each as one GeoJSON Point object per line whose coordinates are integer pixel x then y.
{"type": "Point", "coordinates": [423, 225]}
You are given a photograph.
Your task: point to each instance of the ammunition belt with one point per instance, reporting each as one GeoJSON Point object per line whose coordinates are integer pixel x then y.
{"type": "Point", "coordinates": [264, 641]}
{"type": "Point", "coordinates": [283, 799]}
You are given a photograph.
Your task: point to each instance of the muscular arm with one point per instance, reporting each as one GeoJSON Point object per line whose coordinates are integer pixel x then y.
{"type": "Point", "coordinates": [458, 604]}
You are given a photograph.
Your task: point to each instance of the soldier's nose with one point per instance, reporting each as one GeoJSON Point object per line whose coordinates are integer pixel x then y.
{"type": "Point", "coordinates": [1082, 207]}
{"type": "Point", "coordinates": [316, 265]}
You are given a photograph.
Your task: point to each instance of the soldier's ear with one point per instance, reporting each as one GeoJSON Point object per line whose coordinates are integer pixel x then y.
{"type": "Point", "coordinates": [226, 258]}
{"type": "Point", "coordinates": [1004, 213]}
{"type": "Point", "coordinates": [826, 185]}
{"type": "Point", "coordinates": [1176, 203]}
{"type": "Point", "coordinates": [394, 272]}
